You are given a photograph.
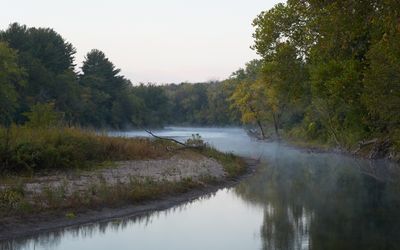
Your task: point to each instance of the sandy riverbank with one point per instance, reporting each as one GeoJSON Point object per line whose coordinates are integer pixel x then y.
{"type": "Point", "coordinates": [206, 174]}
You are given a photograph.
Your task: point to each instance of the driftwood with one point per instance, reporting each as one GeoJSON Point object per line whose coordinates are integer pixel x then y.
{"type": "Point", "coordinates": [363, 143]}
{"type": "Point", "coordinates": [184, 145]}
{"type": "Point", "coordinates": [378, 147]}
{"type": "Point", "coordinates": [163, 138]}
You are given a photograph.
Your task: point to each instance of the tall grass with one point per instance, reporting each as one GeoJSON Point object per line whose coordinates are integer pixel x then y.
{"type": "Point", "coordinates": [233, 166]}
{"type": "Point", "coordinates": [35, 149]}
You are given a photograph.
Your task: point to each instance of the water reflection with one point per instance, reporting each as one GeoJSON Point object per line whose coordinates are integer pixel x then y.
{"type": "Point", "coordinates": [324, 201]}
{"type": "Point", "coordinates": [53, 240]}
{"type": "Point", "coordinates": [296, 200]}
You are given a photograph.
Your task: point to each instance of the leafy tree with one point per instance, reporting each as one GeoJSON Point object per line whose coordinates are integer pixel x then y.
{"type": "Point", "coordinates": [382, 79]}
{"type": "Point", "coordinates": [48, 61]}
{"type": "Point", "coordinates": [247, 96]}
{"type": "Point", "coordinates": [108, 96]}
{"type": "Point", "coordinates": [11, 80]}
{"type": "Point", "coordinates": [329, 70]}
{"type": "Point", "coordinates": [43, 115]}
{"type": "Point", "coordinates": [154, 110]}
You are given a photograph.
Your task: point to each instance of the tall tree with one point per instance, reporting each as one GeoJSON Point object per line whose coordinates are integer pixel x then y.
{"type": "Point", "coordinates": [108, 95]}
{"type": "Point", "coordinates": [11, 80]}
{"type": "Point", "coordinates": [49, 63]}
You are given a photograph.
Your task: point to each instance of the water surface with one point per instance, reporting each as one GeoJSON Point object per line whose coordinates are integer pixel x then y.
{"type": "Point", "coordinates": [296, 200]}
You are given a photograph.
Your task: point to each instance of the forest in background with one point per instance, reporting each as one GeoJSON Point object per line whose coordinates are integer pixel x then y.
{"type": "Point", "coordinates": [39, 76]}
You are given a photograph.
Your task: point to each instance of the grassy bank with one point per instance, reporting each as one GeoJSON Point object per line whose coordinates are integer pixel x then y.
{"type": "Point", "coordinates": [28, 153]}
{"type": "Point", "coordinates": [32, 150]}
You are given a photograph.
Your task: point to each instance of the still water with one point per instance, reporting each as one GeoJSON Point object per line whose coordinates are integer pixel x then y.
{"type": "Point", "coordinates": [295, 200]}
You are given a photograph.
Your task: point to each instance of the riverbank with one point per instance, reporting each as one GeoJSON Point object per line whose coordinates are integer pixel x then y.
{"type": "Point", "coordinates": [125, 188]}
{"type": "Point", "coordinates": [374, 149]}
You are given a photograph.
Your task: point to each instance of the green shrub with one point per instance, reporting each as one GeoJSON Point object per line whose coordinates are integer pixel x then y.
{"type": "Point", "coordinates": [10, 199]}
{"type": "Point", "coordinates": [43, 115]}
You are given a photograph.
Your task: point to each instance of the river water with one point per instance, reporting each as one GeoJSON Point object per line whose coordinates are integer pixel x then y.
{"type": "Point", "coordinates": [295, 200]}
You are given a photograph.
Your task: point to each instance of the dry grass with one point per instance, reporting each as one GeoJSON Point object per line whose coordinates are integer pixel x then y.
{"type": "Point", "coordinates": [28, 149]}
{"type": "Point", "coordinates": [13, 202]}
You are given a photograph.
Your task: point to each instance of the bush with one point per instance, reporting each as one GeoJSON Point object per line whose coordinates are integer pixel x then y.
{"type": "Point", "coordinates": [195, 141]}
{"type": "Point", "coordinates": [43, 115]}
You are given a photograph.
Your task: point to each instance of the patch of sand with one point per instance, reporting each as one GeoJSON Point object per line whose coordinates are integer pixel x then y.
{"type": "Point", "coordinates": [176, 168]}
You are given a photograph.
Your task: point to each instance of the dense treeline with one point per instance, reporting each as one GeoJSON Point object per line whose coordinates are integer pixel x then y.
{"type": "Point", "coordinates": [200, 104]}
{"type": "Point", "coordinates": [38, 74]}
{"type": "Point", "coordinates": [329, 71]}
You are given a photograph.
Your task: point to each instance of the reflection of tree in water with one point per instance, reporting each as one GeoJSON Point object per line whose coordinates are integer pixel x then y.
{"type": "Point", "coordinates": [323, 202]}
{"type": "Point", "coordinates": [51, 240]}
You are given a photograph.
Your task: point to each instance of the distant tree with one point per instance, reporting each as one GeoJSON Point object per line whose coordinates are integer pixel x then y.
{"type": "Point", "coordinates": [108, 95]}
{"type": "Point", "coordinates": [49, 63]}
{"type": "Point", "coordinates": [12, 78]}
{"type": "Point", "coordinates": [43, 115]}
{"type": "Point", "coordinates": [155, 106]}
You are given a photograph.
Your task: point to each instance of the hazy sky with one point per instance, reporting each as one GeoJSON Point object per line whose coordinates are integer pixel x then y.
{"type": "Point", "coordinates": [151, 40]}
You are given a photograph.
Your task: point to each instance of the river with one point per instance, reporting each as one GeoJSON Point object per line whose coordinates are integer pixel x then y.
{"type": "Point", "coordinates": [296, 200]}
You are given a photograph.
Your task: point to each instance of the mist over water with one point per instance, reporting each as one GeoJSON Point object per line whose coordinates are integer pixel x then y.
{"type": "Point", "coordinates": [295, 200]}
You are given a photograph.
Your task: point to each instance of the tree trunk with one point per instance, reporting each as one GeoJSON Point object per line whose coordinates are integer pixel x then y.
{"type": "Point", "coordinates": [261, 128]}
{"type": "Point", "coordinates": [276, 125]}
{"type": "Point", "coordinates": [258, 122]}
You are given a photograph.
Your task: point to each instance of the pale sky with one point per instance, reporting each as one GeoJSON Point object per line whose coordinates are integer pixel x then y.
{"type": "Point", "coordinates": [159, 41]}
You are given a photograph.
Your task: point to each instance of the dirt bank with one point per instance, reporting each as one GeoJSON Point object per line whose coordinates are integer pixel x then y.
{"type": "Point", "coordinates": [181, 166]}
{"type": "Point", "coordinates": [175, 169]}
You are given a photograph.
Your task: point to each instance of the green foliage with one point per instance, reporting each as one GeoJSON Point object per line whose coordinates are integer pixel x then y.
{"type": "Point", "coordinates": [234, 166]}
{"type": "Point", "coordinates": [11, 78]}
{"type": "Point", "coordinates": [108, 98]}
{"type": "Point", "coordinates": [98, 97]}
{"type": "Point", "coordinates": [330, 71]}
{"type": "Point", "coordinates": [382, 83]}
{"type": "Point", "coordinates": [199, 104]}
{"type": "Point", "coordinates": [9, 199]}
{"type": "Point", "coordinates": [155, 108]}
{"type": "Point", "coordinates": [43, 116]}
{"type": "Point", "coordinates": [70, 215]}
{"type": "Point", "coordinates": [48, 62]}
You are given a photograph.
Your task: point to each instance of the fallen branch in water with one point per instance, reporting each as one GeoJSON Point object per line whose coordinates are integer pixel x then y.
{"type": "Point", "coordinates": [185, 146]}
{"type": "Point", "coordinates": [163, 138]}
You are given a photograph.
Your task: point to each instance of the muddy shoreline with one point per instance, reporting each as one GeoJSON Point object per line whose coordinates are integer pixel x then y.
{"type": "Point", "coordinates": [25, 227]}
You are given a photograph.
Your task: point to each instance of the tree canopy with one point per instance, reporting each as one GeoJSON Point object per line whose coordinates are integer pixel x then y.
{"type": "Point", "coordinates": [329, 71]}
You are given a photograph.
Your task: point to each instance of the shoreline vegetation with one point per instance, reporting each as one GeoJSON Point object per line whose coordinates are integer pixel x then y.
{"type": "Point", "coordinates": [61, 174]}
{"type": "Point", "coordinates": [373, 149]}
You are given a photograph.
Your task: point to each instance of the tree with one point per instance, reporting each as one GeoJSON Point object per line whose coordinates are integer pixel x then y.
{"type": "Point", "coordinates": [382, 79]}
{"type": "Point", "coordinates": [43, 115]}
{"type": "Point", "coordinates": [247, 96]}
{"type": "Point", "coordinates": [324, 64]}
{"type": "Point", "coordinates": [12, 78]}
{"type": "Point", "coordinates": [48, 61]}
{"type": "Point", "coordinates": [154, 105]}
{"type": "Point", "coordinates": [108, 96]}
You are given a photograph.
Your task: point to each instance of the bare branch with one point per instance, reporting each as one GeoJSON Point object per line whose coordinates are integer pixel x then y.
{"type": "Point", "coordinates": [163, 138]}
{"type": "Point", "coordinates": [185, 146]}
